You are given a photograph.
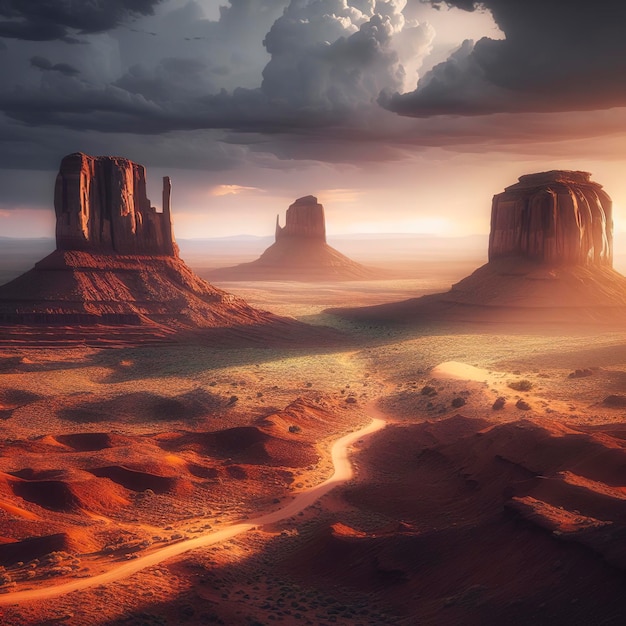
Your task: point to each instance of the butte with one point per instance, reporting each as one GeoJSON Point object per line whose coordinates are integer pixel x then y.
{"type": "Point", "coordinates": [300, 252]}
{"type": "Point", "coordinates": [550, 261]}
{"type": "Point", "coordinates": [116, 275]}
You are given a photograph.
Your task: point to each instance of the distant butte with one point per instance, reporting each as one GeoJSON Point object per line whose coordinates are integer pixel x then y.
{"type": "Point", "coordinates": [116, 265]}
{"type": "Point", "coordinates": [300, 252]}
{"type": "Point", "coordinates": [550, 261]}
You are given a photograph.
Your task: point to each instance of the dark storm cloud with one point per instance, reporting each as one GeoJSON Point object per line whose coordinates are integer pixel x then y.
{"type": "Point", "coordinates": [236, 14]}
{"type": "Point", "coordinates": [329, 61]}
{"type": "Point", "coordinates": [46, 65]}
{"type": "Point", "coordinates": [558, 55]}
{"type": "Point", "coordinates": [171, 78]}
{"type": "Point", "coordinates": [47, 20]}
{"type": "Point", "coordinates": [298, 80]}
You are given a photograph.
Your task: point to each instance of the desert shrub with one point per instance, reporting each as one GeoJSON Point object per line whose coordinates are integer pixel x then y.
{"type": "Point", "coordinates": [520, 385]}
{"type": "Point", "coordinates": [499, 403]}
{"type": "Point", "coordinates": [294, 428]}
{"type": "Point", "coordinates": [458, 402]}
{"type": "Point", "coordinates": [581, 373]}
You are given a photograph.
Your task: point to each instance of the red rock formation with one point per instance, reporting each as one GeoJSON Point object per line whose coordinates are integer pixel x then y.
{"type": "Point", "coordinates": [300, 252]}
{"type": "Point", "coordinates": [557, 217]}
{"type": "Point", "coordinates": [117, 266]}
{"type": "Point", "coordinates": [550, 262]}
{"type": "Point", "coordinates": [304, 218]}
{"type": "Point", "coordinates": [101, 206]}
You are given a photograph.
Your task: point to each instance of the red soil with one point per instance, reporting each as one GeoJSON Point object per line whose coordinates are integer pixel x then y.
{"type": "Point", "coordinates": [68, 494]}
{"type": "Point", "coordinates": [248, 445]}
{"type": "Point", "coordinates": [33, 548]}
{"type": "Point", "coordinates": [522, 522]}
{"type": "Point", "coordinates": [92, 442]}
{"type": "Point", "coordinates": [108, 300]}
{"type": "Point", "coordinates": [136, 480]}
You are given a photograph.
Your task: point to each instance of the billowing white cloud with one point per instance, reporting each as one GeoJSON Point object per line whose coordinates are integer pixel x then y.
{"type": "Point", "coordinates": [329, 60]}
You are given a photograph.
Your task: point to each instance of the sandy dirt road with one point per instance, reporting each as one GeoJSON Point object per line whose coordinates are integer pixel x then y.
{"type": "Point", "coordinates": [342, 473]}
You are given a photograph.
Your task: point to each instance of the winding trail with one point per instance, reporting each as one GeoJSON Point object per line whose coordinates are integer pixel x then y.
{"type": "Point", "coordinates": [343, 472]}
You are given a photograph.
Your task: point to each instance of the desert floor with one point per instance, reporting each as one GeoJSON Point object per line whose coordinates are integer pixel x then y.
{"type": "Point", "coordinates": [459, 513]}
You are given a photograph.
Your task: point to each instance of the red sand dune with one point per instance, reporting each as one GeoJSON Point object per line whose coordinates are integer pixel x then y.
{"type": "Point", "coordinates": [248, 445]}
{"type": "Point", "coordinates": [68, 491]}
{"type": "Point", "coordinates": [521, 522]}
{"type": "Point", "coordinates": [33, 548]}
{"type": "Point", "coordinates": [92, 442]}
{"type": "Point", "coordinates": [141, 406]}
{"type": "Point", "coordinates": [137, 480]}
{"type": "Point", "coordinates": [11, 399]}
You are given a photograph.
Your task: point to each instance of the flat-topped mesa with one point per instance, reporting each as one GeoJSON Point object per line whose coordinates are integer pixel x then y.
{"type": "Point", "coordinates": [101, 206]}
{"type": "Point", "coordinates": [558, 217]}
{"type": "Point", "coordinates": [304, 218]}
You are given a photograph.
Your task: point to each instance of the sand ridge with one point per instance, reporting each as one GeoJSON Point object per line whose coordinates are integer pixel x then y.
{"type": "Point", "coordinates": [342, 473]}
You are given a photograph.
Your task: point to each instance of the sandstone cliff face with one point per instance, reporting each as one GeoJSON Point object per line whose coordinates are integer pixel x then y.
{"type": "Point", "coordinates": [557, 217]}
{"type": "Point", "coordinates": [101, 206]}
{"type": "Point", "coordinates": [304, 218]}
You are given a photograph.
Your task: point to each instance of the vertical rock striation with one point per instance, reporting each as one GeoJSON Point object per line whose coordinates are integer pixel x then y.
{"type": "Point", "coordinates": [557, 217]}
{"type": "Point", "coordinates": [304, 218]}
{"type": "Point", "coordinates": [101, 206]}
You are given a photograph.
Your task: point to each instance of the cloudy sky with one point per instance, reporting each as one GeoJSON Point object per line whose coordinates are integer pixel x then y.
{"type": "Point", "coordinates": [400, 115]}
